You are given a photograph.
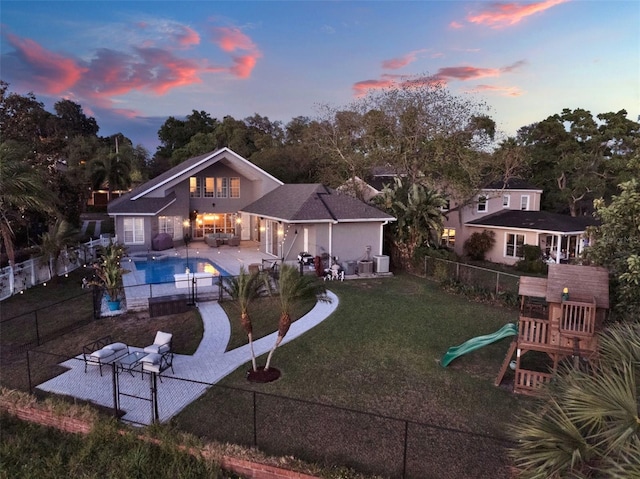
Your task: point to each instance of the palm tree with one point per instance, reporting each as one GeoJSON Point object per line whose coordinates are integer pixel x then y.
{"type": "Point", "coordinates": [243, 289]}
{"type": "Point", "coordinates": [419, 213]}
{"type": "Point", "coordinates": [60, 236]}
{"type": "Point", "coordinates": [21, 189]}
{"type": "Point", "coordinates": [293, 288]}
{"type": "Point", "coordinates": [588, 424]}
{"type": "Point", "coordinates": [111, 169]}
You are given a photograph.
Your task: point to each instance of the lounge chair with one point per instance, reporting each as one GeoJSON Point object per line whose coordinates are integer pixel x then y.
{"type": "Point", "coordinates": [157, 363]}
{"type": "Point", "coordinates": [161, 343]}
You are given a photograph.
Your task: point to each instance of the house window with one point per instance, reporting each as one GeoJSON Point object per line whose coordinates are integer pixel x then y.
{"type": "Point", "coordinates": [195, 187]}
{"type": "Point", "coordinates": [209, 188]}
{"type": "Point", "coordinates": [222, 187]}
{"type": "Point", "coordinates": [171, 225]}
{"type": "Point", "coordinates": [447, 206]}
{"type": "Point", "coordinates": [506, 200]}
{"type": "Point", "coordinates": [524, 203]}
{"type": "Point", "coordinates": [482, 204]}
{"type": "Point", "coordinates": [234, 188]}
{"type": "Point", "coordinates": [133, 230]}
{"type": "Point", "coordinates": [448, 237]}
{"type": "Point", "coordinates": [514, 245]}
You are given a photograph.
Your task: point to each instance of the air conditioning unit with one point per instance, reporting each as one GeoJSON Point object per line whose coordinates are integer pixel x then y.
{"type": "Point", "coordinates": [381, 263]}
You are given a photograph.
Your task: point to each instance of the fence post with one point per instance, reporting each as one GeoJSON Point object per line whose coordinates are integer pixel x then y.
{"type": "Point", "coordinates": [404, 454]}
{"type": "Point", "coordinates": [255, 422]}
{"type": "Point", "coordinates": [35, 315]}
{"type": "Point", "coordinates": [497, 282]}
{"type": "Point", "coordinates": [29, 373]}
{"type": "Point", "coordinates": [116, 390]}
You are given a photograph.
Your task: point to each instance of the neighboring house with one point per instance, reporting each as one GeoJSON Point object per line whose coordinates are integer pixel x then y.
{"type": "Point", "coordinates": [512, 211]}
{"type": "Point", "coordinates": [312, 218]}
{"type": "Point", "coordinates": [221, 192]}
{"type": "Point", "coordinates": [200, 196]}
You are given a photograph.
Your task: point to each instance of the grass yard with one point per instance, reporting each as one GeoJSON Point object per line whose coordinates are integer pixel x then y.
{"type": "Point", "coordinates": [379, 353]}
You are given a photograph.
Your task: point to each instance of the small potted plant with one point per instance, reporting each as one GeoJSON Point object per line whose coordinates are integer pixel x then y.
{"type": "Point", "coordinates": [108, 272]}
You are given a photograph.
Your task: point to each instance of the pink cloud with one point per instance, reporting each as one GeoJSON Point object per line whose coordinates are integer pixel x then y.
{"type": "Point", "coordinates": [455, 25]}
{"type": "Point", "coordinates": [231, 39]}
{"type": "Point", "coordinates": [499, 15]}
{"type": "Point", "coordinates": [504, 91]}
{"type": "Point", "coordinates": [187, 37]}
{"type": "Point", "coordinates": [397, 63]}
{"type": "Point", "coordinates": [53, 73]}
{"type": "Point", "coordinates": [443, 76]}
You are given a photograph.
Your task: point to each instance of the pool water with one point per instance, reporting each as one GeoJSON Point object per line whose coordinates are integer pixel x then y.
{"type": "Point", "coordinates": [162, 270]}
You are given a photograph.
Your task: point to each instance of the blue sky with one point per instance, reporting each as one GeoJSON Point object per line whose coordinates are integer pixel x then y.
{"type": "Point", "coordinates": [132, 64]}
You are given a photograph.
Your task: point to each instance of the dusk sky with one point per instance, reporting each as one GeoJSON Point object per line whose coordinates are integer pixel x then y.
{"type": "Point", "coordinates": [132, 64]}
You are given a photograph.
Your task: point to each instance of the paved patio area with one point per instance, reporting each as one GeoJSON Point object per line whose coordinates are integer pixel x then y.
{"type": "Point", "coordinates": [209, 364]}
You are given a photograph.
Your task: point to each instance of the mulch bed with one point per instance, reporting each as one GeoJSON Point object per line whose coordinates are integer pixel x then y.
{"type": "Point", "coordinates": [262, 375]}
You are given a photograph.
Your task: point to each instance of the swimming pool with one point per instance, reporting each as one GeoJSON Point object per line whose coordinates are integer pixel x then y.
{"type": "Point", "coordinates": [161, 270]}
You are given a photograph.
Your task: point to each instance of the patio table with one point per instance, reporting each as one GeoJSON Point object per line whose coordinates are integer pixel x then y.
{"type": "Point", "coordinates": [130, 362]}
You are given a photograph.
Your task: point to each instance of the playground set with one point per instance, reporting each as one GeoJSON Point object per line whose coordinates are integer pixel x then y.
{"type": "Point", "coordinates": [560, 316]}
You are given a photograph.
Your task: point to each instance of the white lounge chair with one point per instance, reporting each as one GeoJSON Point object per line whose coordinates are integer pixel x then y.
{"type": "Point", "coordinates": [161, 343]}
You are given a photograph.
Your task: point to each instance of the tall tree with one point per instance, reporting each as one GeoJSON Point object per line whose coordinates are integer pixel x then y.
{"type": "Point", "coordinates": [111, 169]}
{"type": "Point", "coordinates": [72, 121]}
{"type": "Point", "coordinates": [55, 243]}
{"type": "Point", "coordinates": [573, 156]}
{"type": "Point", "coordinates": [616, 244]}
{"type": "Point", "coordinates": [22, 188]}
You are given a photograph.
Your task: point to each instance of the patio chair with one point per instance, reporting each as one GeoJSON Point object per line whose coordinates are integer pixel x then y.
{"type": "Point", "coordinates": [157, 363]}
{"type": "Point", "coordinates": [161, 343]}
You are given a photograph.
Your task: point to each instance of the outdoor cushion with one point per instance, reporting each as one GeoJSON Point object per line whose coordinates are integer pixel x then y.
{"type": "Point", "coordinates": [103, 353]}
{"type": "Point", "coordinates": [161, 343]}
{"type": "Point", "coordinates": [116, 346]}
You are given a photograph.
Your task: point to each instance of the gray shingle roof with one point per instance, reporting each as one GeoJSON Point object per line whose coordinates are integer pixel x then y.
{"type": "Point", "coordinates": [313, 202]}
{"type": "Point", "coordinates": [141, 206]}
{"type": "Point", "coordinates": [536, 220]}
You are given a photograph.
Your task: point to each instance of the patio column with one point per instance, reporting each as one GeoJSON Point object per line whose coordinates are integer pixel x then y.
{"type": "Point", "coordinates": [558, 248]}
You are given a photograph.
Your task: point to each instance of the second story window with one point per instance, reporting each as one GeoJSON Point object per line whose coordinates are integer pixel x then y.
{"type": "Point", "coordinates": [209, 188]}
{"type": "Point", "coordinates": [482, 204]}
{"type": "Point", "coordinates": [524, 202]}
{"type": "Point", "coordinates": [506, 200]}
{"type": "Point", "coordinates": [195, 187]}
{"type": "Point", "coordinates": [222, 187]}
{"type": "Point", "coordinates": [234, 187]}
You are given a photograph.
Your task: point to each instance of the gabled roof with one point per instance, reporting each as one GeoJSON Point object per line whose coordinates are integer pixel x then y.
{"type": "Point", "coordinates": [535, 220]}
{"type": "Point", "coordinates": [130, 202]}
{"type": "Point", "coordinates": [313, 203]}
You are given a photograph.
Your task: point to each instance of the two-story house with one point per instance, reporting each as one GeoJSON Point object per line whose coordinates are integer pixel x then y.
{"type": "Point", "coordinates": [512, 211]}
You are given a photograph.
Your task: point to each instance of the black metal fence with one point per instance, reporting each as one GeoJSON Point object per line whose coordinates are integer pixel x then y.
{"type": "Point", "coordinates": [497, 282]}
{"type": "Point", "coordinates": [278, 425]}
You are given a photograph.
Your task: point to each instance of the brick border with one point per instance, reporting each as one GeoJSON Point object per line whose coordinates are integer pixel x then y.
{"type": "Point", "coordinates": [247, 469]}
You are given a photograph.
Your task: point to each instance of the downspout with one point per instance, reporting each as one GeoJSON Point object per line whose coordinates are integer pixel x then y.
{"type": "Point", "coordinates": [386, 222]}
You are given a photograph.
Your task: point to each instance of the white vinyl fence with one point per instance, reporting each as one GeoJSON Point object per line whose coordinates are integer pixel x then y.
{"type": "Point", "coordinates": [36, 271]}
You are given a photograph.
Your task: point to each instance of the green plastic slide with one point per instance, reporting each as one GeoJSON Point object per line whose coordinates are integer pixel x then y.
{"type": "Point", "coordinates": [453, 352]}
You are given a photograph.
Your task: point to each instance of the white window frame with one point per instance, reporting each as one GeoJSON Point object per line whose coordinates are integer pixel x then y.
{"type": "Point", "coordinates": [209, 187]}
{"type": "Point", "coordinates": [506, 201]}
{"type": "Point", "coordinates": [514, 245]}
{"type": "Point", "coordinates": [133, 230]}
{"type": "Point", "coordinates": [222, 187]}
{"type": "Point", "coordinates": [195, 190]}
{"type": "Point", "coordinates": [171, 225]}
{"type": "Point", "coordinates": [483, 204]}
{"type": "Point", "coordinates": [234, 187]}
{"type": "Point", "coordinates": [524, 202]}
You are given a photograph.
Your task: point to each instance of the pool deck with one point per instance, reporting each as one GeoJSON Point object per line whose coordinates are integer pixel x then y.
{"type": "Point", "coordinates": [229, 258]}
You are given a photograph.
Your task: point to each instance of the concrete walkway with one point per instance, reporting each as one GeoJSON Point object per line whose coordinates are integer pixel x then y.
{"type": "Point", "coordinates": [208, 365]}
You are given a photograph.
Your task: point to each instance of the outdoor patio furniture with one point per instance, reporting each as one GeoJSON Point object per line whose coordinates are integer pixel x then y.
{"type": "Point", "coordinates": [102, 351]}
{"type": "Point", "coordinates": [157, 363]}
{"type": "Point", "coordinates": [215, 240]}
{"type": "Point", "coordinates": [161, 343]}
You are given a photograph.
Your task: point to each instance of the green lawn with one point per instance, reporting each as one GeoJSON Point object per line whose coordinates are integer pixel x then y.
{"type": "Point", "coordinates": [379, 353]}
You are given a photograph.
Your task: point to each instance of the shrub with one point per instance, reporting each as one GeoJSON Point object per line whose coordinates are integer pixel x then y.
{"type": "Point", "coordinates": [479, 244]}
{"type": "Point", "coordinates": [532, 261]}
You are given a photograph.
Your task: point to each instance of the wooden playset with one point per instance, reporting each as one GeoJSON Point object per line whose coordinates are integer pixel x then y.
{"type": "Point", "coordinates": [559, 315]}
